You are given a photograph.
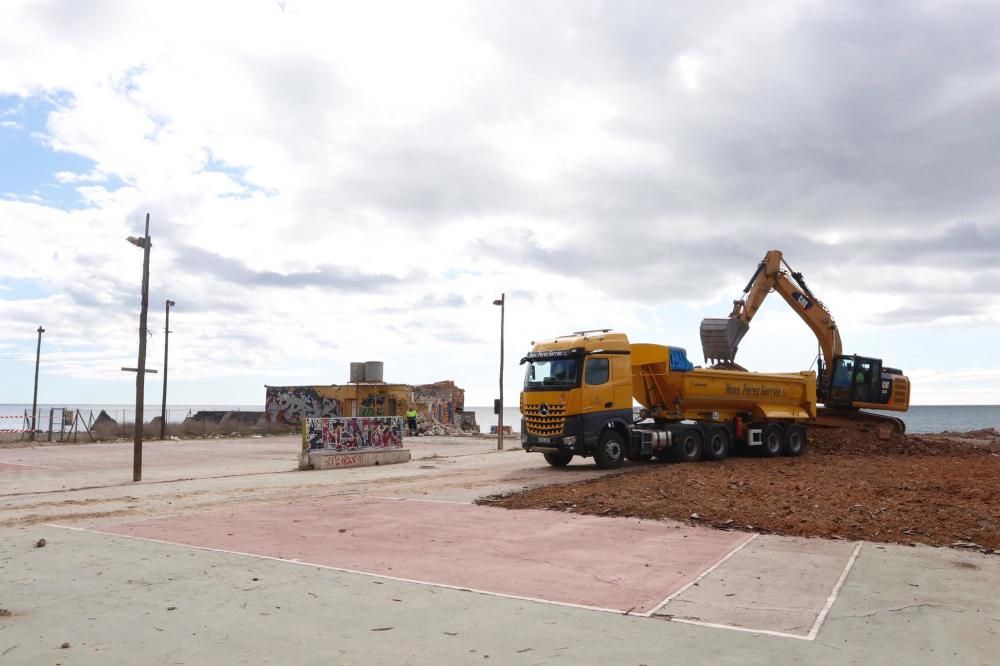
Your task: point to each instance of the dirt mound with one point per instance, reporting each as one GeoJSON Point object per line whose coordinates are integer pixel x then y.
{"type": "Point", "coordinates": [930, 489]}
{"type": "Point", "coordinates": [983, 433]}
{"type": "Point", "coordinates": [868, 441]}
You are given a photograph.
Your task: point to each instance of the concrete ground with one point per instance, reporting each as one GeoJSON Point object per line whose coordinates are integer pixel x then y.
{"type": "Point", "coordinates": [225, 554]}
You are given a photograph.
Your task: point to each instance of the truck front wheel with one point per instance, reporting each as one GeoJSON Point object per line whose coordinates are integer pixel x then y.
{"type": "Point", "coordinates": [610, 451]}
{"type": "Point", "coordinates": [558, 458]}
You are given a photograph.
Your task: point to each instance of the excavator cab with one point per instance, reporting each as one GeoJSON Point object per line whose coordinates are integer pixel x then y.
{"type": "Point", "coordinates": [856, 379]}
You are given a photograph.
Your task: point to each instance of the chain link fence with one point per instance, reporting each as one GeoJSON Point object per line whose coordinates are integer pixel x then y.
{"type": "Point", "coordinates": [74, 425]}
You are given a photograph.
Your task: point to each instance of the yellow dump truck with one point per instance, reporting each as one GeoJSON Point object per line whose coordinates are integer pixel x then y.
{"type": "Point", "coordinates": [579, 392]}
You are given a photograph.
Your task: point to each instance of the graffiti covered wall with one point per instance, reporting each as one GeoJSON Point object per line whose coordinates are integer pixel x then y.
{"type": "Point", "coordinates": [442, 402]}
{"type": "Point", "coordinates": [353, 433]}
{"type": "Point", "coordinates": [290, 404]}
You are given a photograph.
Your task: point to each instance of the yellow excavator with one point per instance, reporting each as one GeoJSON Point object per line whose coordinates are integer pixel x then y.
{"type": "Point", "coordinates": [845, 383]}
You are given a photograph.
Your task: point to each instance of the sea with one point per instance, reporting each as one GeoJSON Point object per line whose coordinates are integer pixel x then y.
{"type": "Point", "coordinates": [920, 418]}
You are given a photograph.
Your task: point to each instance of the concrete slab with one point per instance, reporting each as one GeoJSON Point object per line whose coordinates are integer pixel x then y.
{"type": "Point", "coordinates": [123, 601]}
{"type": "Point", "coordinates": [777, 584]}
{"type": "Point", "coordinates": [342, 459]}
{"type": "Point", "coordinates": [944, 600]}
{"type": "Point", "coordinates": [624, 565]}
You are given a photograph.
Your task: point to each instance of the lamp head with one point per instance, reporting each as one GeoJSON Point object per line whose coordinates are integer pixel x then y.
{"type": "Point", "coordinates": [170, 304]}
{"type": "Point", "coordinates": [499, 301]}
{"type": "Point", "coordinates": [135, 240]}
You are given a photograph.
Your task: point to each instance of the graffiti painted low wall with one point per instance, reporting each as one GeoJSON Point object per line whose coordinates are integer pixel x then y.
{"type": "Point", "coordinates": [352, 433]}
{"type": "Point", "coordinates": [291, 404]}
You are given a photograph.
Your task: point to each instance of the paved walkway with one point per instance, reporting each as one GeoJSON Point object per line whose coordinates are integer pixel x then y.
{"type": "Point", "coordinates": [393, 565]}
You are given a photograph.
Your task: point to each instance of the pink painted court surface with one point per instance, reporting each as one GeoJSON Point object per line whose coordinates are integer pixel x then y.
{"type": "Point", "coordinates": [609, 563]}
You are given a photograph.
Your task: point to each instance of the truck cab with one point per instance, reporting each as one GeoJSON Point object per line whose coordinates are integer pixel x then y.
{"type": "Point", "coordinates": [577, 389]}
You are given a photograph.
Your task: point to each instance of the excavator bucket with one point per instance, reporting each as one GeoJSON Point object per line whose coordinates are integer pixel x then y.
{"type": "Point", "coordinates": [720, 338]}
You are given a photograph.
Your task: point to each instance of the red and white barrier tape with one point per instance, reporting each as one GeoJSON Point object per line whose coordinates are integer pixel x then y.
{"type": "Point", "coordinates": [19, 418]}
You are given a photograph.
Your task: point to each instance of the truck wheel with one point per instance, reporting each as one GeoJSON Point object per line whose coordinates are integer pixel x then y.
{"type": "Point", "coordinates": [772, 441]}
{"type": "Point", "coordinates": [795, 440]}
{"type": "Point", "coordinates": [718, 444]}
{"type": "Point", "coordinates": [558, 458]}
{"type": "Point", "coordinates": [610, 451]}
{"type": "Point", "coordinates": [688, 446]}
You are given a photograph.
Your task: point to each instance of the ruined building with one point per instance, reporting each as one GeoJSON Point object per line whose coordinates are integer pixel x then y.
{"type": "Point", "coordinates": [366, 395]}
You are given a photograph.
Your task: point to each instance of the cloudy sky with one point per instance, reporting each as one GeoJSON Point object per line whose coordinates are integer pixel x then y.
{"type": "Point", "coordinates": [337, 182]}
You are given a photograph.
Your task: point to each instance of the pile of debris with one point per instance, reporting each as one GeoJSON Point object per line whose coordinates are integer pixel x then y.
{"type": "Point", "coordinates": [941, 489]}
{"type": "Point", "coordinates": [427, 427]}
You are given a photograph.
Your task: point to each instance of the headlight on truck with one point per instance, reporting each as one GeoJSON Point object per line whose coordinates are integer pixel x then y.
{"type": "Point", "coordinates": [569, 441]}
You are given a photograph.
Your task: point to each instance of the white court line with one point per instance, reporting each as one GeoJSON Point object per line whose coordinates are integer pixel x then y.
{"type": "Point", "coordinates": [698, 578]}
{"type": "Point", "coordinates": [813, 632]}
{"type": "Point", "coordinates": [416, 499]}
{"type": "Point", "coordinates": [833, 595]}
{"type": "Point", "coordinates": [766, 632]}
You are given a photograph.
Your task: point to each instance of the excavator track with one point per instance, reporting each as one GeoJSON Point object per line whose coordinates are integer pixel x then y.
{"type": "Point", "coordinates": [831, 417]}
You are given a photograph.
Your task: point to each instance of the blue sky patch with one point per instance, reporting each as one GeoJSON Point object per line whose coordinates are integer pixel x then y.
{"type": "Point", "coordinates": [237, 174]}
{"type": "Point", "coordinates": [29, 166]}
{"type": "Point", "coordinates": [14, 289]}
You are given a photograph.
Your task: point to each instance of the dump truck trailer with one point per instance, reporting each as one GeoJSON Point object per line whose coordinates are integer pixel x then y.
{"type": "Point", "coordinates": [579, 392]}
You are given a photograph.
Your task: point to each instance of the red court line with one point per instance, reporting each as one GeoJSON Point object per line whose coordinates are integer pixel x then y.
{"type": "Point", "coordinates": [613, 563]}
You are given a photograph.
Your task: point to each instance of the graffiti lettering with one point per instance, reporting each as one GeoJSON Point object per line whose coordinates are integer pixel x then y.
{"type": "Point", "coordinates": [373, 405]}
{"type": "Point", "coordinates": [354, 433]}
{"type": "Point", "coordinates": [289, 405]}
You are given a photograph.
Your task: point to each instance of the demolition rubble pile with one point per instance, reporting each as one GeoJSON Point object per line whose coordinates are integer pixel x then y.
{"type": "Point", "coordinates": [941, 489]}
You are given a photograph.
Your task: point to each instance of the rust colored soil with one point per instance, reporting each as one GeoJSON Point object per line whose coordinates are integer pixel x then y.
{"type": "Point", "coordinates": [941, 490]}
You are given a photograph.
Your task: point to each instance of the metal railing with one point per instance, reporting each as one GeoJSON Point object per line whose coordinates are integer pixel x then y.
{"type": "Point", "coordinates": [57, 424]}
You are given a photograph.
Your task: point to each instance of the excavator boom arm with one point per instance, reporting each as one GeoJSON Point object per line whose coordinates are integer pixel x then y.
{"type": "Point", "coordinates": [721, 337]}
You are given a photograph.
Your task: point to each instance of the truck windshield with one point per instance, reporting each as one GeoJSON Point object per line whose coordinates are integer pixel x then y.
{"type": "Point", "coordinates": [543, 375]}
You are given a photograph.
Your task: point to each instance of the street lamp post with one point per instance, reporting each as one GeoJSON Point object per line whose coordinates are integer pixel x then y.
{"type": "Point", "coordinates": [502, 303]}
{"type": "Point", "coordinates": [140, 376]}
{"type": "Point", "coordinates": [166, 346]}
{"type": "Point", "coordinates": [34, 399]}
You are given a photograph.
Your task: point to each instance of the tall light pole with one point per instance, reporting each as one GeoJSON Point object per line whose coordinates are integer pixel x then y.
{"type": "Point", "coordinates": [166, 346]}
{"type": "Point", "coordinates": [502, 303]}
{"type": "Point", "coordinates": [140, 376]}
{"type": "Point", "coordinates": [34, 399]}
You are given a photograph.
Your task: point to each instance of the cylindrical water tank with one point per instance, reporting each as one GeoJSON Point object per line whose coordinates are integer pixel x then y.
{"type": "Point", "coordinates": [373, 371]}
{"type": "Point", "coordinates": [357, 372]}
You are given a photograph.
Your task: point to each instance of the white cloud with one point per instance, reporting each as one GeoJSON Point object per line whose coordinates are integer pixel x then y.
{"type": "Point", "coordinates": [315, 170]}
